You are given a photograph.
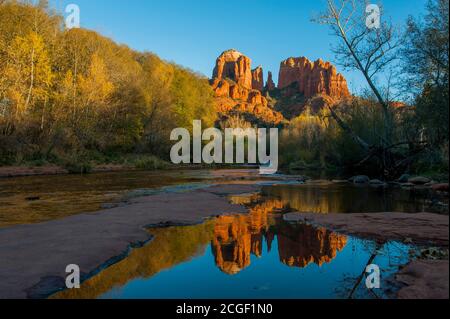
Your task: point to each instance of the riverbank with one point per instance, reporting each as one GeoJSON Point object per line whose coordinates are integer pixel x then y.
{"type": "Point", "coordinates": [22, 171]}
{"type": "Point", "coordinates": [144, 165]}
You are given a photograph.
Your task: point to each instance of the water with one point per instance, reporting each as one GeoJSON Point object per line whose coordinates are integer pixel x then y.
{"type": "Point", "coordinates": [256, 255]}
{"type": "Point", "coordinates": [55, 197]}
{"type": "Point", "coordinates": [335, 198]}
{"type": "Point", "coordinates": [246, 256]}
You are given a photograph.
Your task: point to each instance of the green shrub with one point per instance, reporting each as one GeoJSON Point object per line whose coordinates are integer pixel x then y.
{"type": "Point", "coordinates": [77, 165]}
{"type": "Point", "coordinates": [150, 163]}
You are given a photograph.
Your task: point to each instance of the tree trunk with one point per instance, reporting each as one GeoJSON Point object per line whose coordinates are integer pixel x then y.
{"type": "Point", "coordinates": [30, 89]}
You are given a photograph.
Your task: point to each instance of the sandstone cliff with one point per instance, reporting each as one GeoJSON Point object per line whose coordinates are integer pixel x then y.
{"type": "Point", "coordinates": [270, 85]}
{"type": "Point", "coordinates": [234, 65]}
{"type": "Point", "coordinates": [258, 79]}
{"type": "Point", "coordinates": [238, 89]}
{"type": "Point", "coordinates": [312, 78]}
{"type": "Point", "coordinates": [302, 84]}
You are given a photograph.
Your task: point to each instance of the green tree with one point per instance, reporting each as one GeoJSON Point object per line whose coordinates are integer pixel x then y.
{"type": "Point", "coordinates": [426, 69]}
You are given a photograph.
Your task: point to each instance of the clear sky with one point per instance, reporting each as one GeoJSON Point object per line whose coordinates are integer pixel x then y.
{"type": "Point", "coordinates": [193, 33]}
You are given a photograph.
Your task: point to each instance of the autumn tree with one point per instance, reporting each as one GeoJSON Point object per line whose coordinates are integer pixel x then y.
{"type": "Point", "coordinates": [28, 76]}
{"type": "Point", "coordinates": [76, 94]}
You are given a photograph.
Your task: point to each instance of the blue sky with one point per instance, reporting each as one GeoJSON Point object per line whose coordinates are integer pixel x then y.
{"type": "Point", "coordinates": [193, 33]}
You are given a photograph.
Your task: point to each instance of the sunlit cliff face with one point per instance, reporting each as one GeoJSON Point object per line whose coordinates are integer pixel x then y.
{"type": "Point", "coordinates": [237, 237]}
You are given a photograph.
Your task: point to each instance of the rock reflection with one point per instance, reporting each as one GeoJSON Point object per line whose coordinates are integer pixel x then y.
{"type": "Point", "coordinates": [233, 240]}
{"type": "Point", "coordinates": [237, 237]}
{"type": "Point", "coordinates": [299, 247]}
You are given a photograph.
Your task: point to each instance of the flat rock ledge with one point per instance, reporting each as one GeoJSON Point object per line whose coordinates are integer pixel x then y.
{"type": "Point", "coordinates": [419, 229]}
{"type": "Point", "coordinates": [420, 279]}
{"type": "Point", "coordinates": [34, 257]}
{"type": "Point", "coordinates": [424, 279]}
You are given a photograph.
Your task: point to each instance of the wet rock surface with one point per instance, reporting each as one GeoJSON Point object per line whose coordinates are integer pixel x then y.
{"type": "Point", "coordinates": [424, 279]}
{"type": "Point", "coordinates": [421, 229]}
{"type": "Point", "coordinates": [31, 254]}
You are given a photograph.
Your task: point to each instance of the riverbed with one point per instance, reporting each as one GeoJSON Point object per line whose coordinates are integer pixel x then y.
{"type": "Point", "coordinates": [193, 234]}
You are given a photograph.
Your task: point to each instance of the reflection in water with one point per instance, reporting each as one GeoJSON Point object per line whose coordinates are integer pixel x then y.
{"type": "Point", "coordinates": [171, 246]}
{"type": "Point", "coordinates": [237, 237]}
{"type": "Point", "coordinates": [301, 246]}
{"type": "Point", "coordinates": [177, 262]}
{"type": "Point", "coordinates": [65, 195]}
{"type": "Point", "coordinates": [57, 197]}
{"type": "Point", "coordinates": [335, 198]}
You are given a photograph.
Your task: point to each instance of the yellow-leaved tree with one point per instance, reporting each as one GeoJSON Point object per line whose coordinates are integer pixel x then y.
{"type": "Point", "coordinates": [29, 76]}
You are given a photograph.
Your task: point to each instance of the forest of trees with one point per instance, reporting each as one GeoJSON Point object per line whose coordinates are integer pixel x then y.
{"type": "Point", "coordinates": [71, 96]}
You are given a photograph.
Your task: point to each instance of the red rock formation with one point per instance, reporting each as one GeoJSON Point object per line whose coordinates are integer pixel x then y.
{"type": "Point", "coordinates": [319, 102]}
{"type": "Point", "coordinates": [258, 79]}
{"type": "Point", "coordinates": [312, 78]}
{"type": "Point", "coordinates": [235, 66]}
{"type": "Point", "coordinates": [270, 85]}
{"type": "Point", "coordinates": [221, 88]}
{"type": "Point", "coordinates": [239, 90]}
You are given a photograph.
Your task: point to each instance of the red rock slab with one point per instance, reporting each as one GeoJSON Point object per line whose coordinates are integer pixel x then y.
{"type": "Point", "coordinates": [424, 279]}
{"type": "Point", "coordinates": [421, 229]}
{"type": "Point", "coordinates": [19, 171]}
